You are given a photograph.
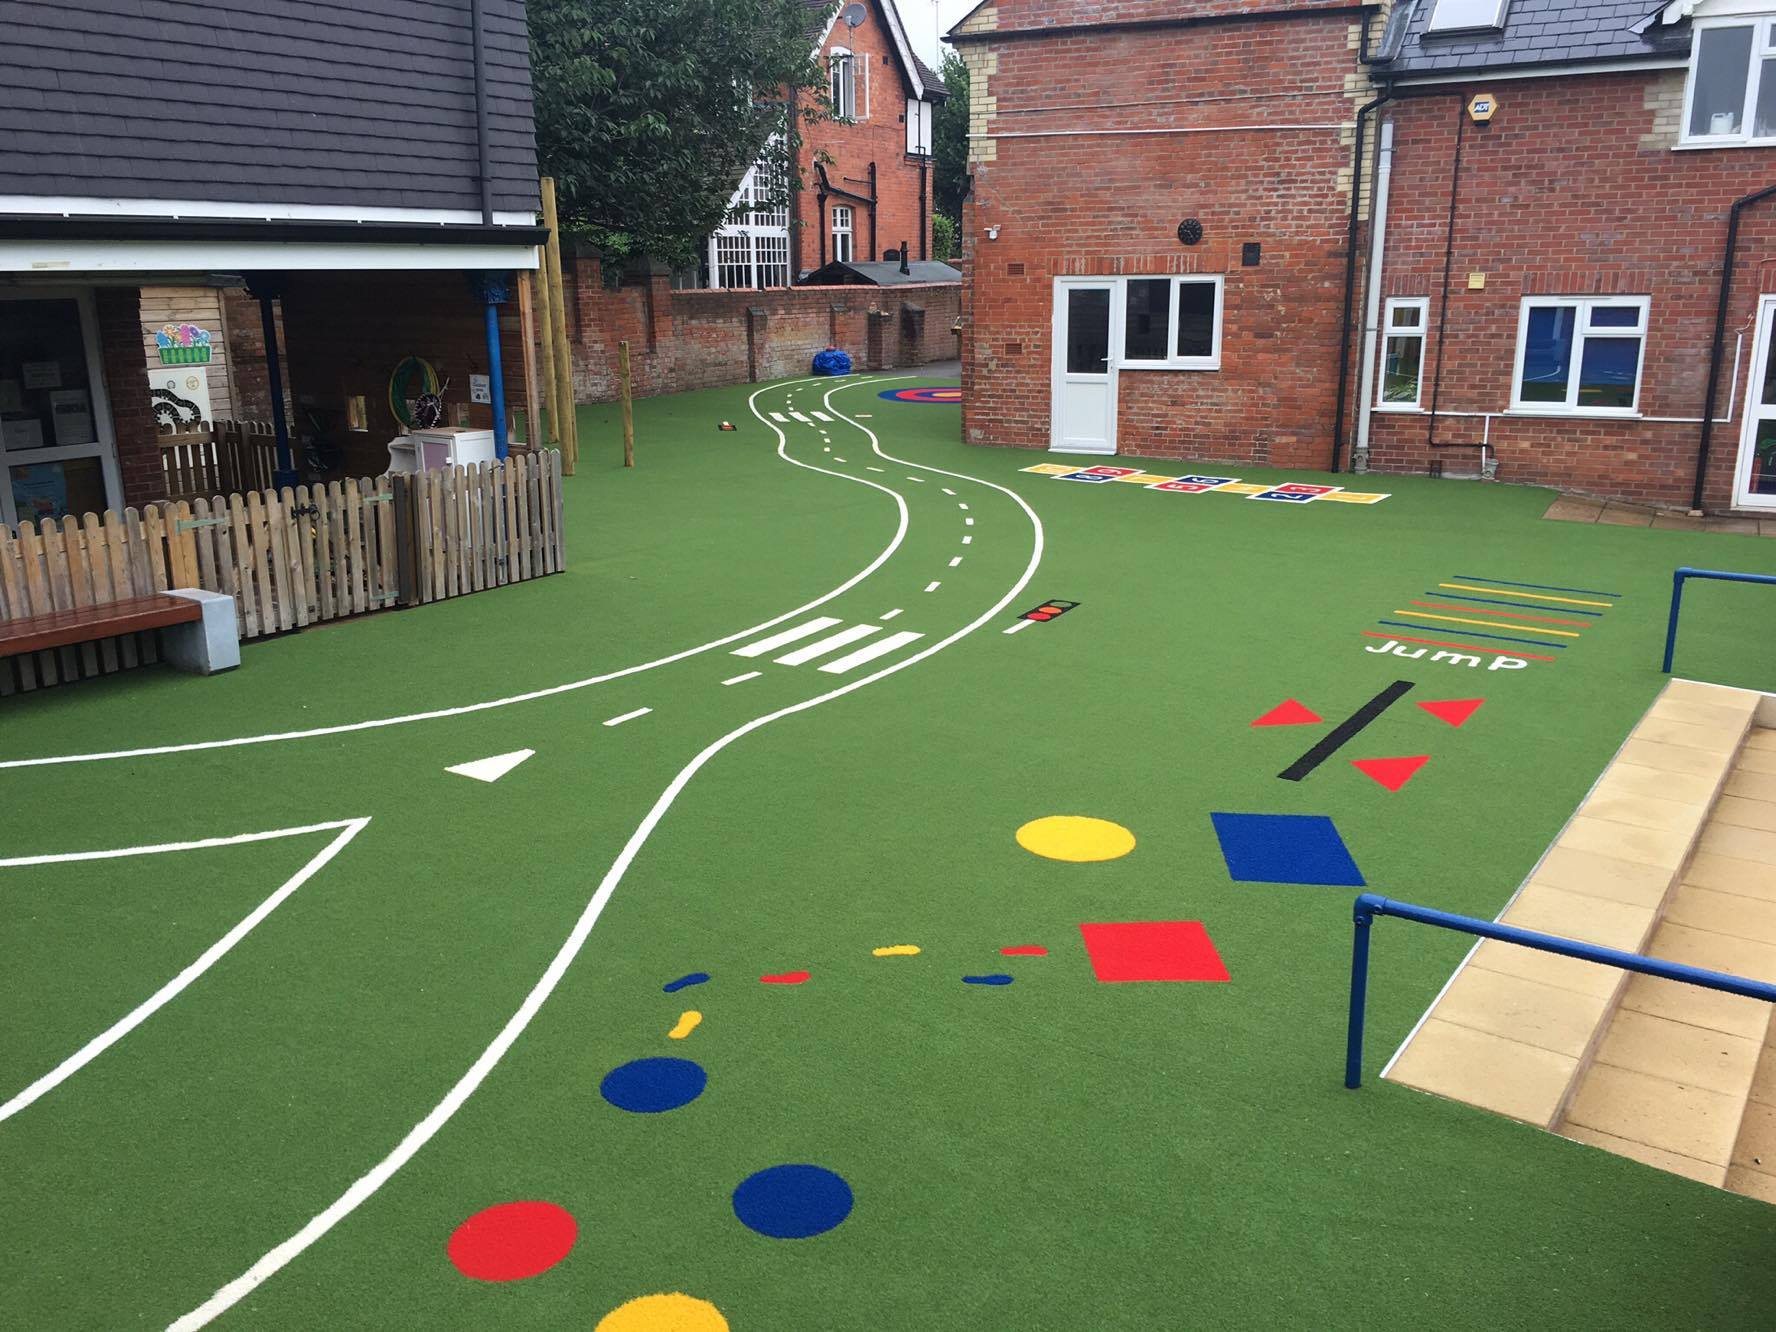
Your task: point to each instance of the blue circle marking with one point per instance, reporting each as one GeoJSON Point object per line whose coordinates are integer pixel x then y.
{"type": "Point", "coordinates": [792, 1201]}
{"type": "Point", "coordinates": [649, 1086]}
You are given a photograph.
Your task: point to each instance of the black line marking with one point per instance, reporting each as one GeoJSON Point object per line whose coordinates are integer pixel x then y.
{"type": "Point", "coordinates": [1344, 731]}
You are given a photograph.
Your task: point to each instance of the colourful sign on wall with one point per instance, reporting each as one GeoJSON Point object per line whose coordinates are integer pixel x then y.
{"type": "Point", "coordinates": [183, 344]}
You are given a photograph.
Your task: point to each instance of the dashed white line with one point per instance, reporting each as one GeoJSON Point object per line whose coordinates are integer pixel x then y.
{"type": "Point", "coordinates": [628, 716]}
{"type": "Point", "coordinates": [739, 679]}
{"type": "Point", "coordinates": [874, 469]}
{"type": "Point", "coordinates": [1021, 624]}
{"type": "Point", "coordinates": [836, 458]}
{"type": "Point", "coordinates": [967, 541]}
{"type": "Point", "coordinates": [948, 491]}
{"type": "Point", "coordinates": [889, 615]}
{"type": "Point", "coordinates": [968, 522]}
{"type": "Point", "coordinates": [955, 562]}
{"type": "Point", "coordinates": [919, 479]}
{"type": "Point", "coordinates": [932, 587]}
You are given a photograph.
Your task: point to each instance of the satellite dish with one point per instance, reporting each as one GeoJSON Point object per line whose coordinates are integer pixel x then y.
{"type": "Point", "coordinates": [854, 16]}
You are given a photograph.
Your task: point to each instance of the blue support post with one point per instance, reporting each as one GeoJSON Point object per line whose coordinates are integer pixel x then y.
{"type": "Point", "coordinates": [493, 289]}
{"type": "Point", "coordinates": [1678, 578]}
{"type": "Point", "coordinates": [266, 288]}
{"type": "Point", "coordinates": [1353, 1035]}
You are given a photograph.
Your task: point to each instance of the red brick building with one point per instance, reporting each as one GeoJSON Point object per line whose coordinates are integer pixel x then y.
{"type": "Point", "coordinates": [860, 182]}
{"type": "Point", "coordinates": [1159, 238]}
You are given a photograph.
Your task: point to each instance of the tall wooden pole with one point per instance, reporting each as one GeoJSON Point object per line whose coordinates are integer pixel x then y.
{"type": "Point", "coordinates": [533, 421]}
{"type": "Point", "coordinates": [628, 404]}
{"type": "Point", "coordinates": [570, 436]}
{"type": "Point", "coordinates": [551, 385]}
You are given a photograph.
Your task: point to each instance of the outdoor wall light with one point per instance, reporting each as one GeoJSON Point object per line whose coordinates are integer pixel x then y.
{"type": "Point", "coordinates": [993, 232]}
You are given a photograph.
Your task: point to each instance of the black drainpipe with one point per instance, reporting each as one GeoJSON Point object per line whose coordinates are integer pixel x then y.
{"type": "Point", "coordinates": [1350, 274]}
{"type": "Point", "coordinates": [1455, 172]}
{"type": "Point", "coordinates": [483, 132]}
{"type": "Point", "coordinates": [1720, 333]}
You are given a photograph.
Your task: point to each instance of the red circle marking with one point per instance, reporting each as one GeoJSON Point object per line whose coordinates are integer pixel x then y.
{"type": "Point", "coordinates": [512, 1241]}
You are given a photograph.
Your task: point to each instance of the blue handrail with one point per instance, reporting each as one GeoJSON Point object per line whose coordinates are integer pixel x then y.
{"type": "Point", "coordinates": [1678, 578]}
{"type": "Point", "coordinates": [1370, 905]}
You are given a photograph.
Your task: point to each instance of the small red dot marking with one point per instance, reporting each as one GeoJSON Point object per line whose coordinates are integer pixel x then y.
{"type": "Point", "coordinates": [512, 1241]}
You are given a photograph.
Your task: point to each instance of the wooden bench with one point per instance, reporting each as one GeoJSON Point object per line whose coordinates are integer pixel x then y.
{"type": "Point", "coordinates": [36, 633]}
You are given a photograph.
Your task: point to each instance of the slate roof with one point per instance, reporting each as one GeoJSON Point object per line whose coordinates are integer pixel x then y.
{"type": "Point", "coordinates": [881, 273]}
{"type": "Point", "coordinates": [1536, 32]}
{"type": "Point", "coordinates": [355, 103]}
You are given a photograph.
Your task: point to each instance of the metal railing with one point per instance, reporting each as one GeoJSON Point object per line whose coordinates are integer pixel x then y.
{"type": "Point", "coordinates": [1678, 578]}
{"type": "Point", "coordinates": [1370, 905]}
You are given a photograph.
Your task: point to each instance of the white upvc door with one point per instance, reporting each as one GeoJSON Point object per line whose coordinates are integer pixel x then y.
{"type": "Point", "coordinates": [58, 453]}
{"type": "Point", "coordinates": [1082, 408]}
{"type": "Point", "coordinates": [1754, 479]}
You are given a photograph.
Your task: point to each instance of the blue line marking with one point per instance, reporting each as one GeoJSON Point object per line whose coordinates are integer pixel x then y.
{"type": "Point", "coordinates": [1469, 633]}
{"type": "Point", "coordinates": [1514, 605]}
{"type": "Point", "coordinates": [999, 978]}
{"type": "Point", "coordinates": [695, 978]}
{"type": "Point", "coordinates": [1540, 587]}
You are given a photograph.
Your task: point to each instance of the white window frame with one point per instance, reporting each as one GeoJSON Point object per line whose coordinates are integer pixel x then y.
{"type": "Point", "coordinates": [1423, 305]}
{"type": "Point", "coordinates": [1763, 47]}
{"type": "Point", "coordinates": [843, 221]}
{"type": "Point", "coordinates": [760, 226]}
{"type": "Point", "coordinates": [843, 96]}
{"type": "Point", "coordinates": [1172, 360]}
{"type": "Point", "coordinates": [1582, 329]}
{"type": "Point", "coordinates": [918, 122]}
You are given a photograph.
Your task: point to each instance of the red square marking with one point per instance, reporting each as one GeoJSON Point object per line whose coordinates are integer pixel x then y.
{"type": "Point", "coordinates": [1109, 471]}
{"type": "Point", "coordinates": [1295, 488]}
{"type": "Point", "coordinates": [1186, 487]}
{"type": "Point", "coordinates": [1152, 950]}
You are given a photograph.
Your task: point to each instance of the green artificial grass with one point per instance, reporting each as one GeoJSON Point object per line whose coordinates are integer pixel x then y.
{"type": "Point", "coordinates": [1056, 1153]}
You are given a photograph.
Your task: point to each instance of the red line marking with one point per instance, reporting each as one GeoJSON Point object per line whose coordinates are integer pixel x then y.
{"type": "Point", "coordinates": [785, 978]}
{"type": "Point", "coordinates": [1465, 647]}
{"type": "Point", "coordinates": [1025, 950]}
{"type": "Point", "coordinates": [1507, 615]}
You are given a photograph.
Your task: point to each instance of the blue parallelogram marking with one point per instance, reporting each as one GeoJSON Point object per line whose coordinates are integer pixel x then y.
{"type": "Point", "coordinates": [1540, 587]}
{"type": "Point", "coordinates": [1514, 605]}
{"type": "Point", "coordinates": [1465, 632]}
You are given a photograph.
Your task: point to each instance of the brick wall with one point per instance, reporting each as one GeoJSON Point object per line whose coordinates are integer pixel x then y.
{"type": "Point", "coordinates": [119, 312]}
{"type": "Point", "coordinates": [344, 333]}
{"type": "Point", "coordinates": [246, 354]}
{"type": "Point", "coordinates": [1573, 189]}
{"type": "Point", "coordinates": [682, 340]}
{"type": "Point", "coordinates": [1103, 143]}
{"type": "Point", "coordinates": [848, 150]}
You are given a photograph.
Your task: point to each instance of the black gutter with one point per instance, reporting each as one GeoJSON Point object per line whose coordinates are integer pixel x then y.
{"type": "Point", "coordinates": [1350, 274]}
{"type": "Point", "coordinates": [483, 132]}
{"type": "Point", "coordinates": [1720, 334]}
{"type": "Point", "coordinates": [45, 228]}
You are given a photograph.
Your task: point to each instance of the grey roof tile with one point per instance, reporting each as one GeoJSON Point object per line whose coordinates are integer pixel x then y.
{"type": "Point", "coordinates": [1536, 32]}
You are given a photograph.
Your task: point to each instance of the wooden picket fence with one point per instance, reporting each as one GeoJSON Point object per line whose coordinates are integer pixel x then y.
{"type": "Point", "coordinates": [290, 557]}
{"type": "Point", "coordinates": [218, 458]}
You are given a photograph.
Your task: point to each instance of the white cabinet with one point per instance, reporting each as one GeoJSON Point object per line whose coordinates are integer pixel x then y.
{"type": "Point", "coordinates": [424, 450]}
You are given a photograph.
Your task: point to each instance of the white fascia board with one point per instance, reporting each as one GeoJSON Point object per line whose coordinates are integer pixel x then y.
{"type": "Point", "coordinates": [50, 205]}
{"type": "Point", "coordinates": [1679, 10]}
{"type": "Point", "coordinates": [48, 258]}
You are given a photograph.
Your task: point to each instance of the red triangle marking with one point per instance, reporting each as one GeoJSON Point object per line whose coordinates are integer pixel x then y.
{"type": "Point", "coordinates": [1392, 773]}
{"type": "Point", "coordinates": [1288, 713]}
{"type": "Point", "coordinates": [1455, 711]}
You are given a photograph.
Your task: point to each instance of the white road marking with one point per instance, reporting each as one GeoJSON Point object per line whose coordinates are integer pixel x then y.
{"type": "Point", "coordinates": [866, 416]}
{"type": "Point", "coordinates": [492, 769]}
{"type": "Point", "coordinates": [948, 491]}
{"type": "Point", "coordinates": [955, 562]}
{"type": "Point", "coordinates": [919, 479]}
{"type": "Point", "coordinates": [868, 468]}
{"type": "Point", "coordinates": [346, 829]}
{"type": "Point", "coordinates": [869, 652]}
{"type": "Point", "coordinates": [836, 458]}
{"type": "Point", "coordinates": [962, 507]}
{"type": "Point", "coordinates": [968, 522]}
{"type": "Point", "coordinates": [932, 587]}
{"type": "Point", "coordinates": [967, 541]}
{"type": "Point", "coordinates": [889, 615]}
{"type": "Point", "coordinates": [798, 416]}
{"type": "Point", "coordinates": [831, 643]}
{"type": "Point", "coordinates": [1021, 624]}
{"type": "Point", "coordinates": [628, 716]}
{"type": "Point", "coordinates": [779, 416]}
{"type": "Point", "coordinates": [820, 416]}
{"type": "Point", "coordinates": [777, 640]}
{"type": "Point", "coordinates": [826, 450]}
{"type": "Point", "coordinates": [366, 1185]}
{"type": "Point", "coordinates": [530, 696]}
{"type": "Point", "coordinates": [750, 675]}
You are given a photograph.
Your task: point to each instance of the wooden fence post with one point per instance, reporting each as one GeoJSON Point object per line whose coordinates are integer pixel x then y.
{"type": "Point", "coordinates": [570, 435]}
{"type": "Point", "coordinates": [628, 404]}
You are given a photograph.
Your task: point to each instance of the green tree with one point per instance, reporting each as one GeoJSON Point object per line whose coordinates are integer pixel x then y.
{"type": "Point", "coordinates": [944, 244]}
{"type": "Point", "coordinates": [949, 142]}
{"type": "Point", "coordinates": [648, 114]}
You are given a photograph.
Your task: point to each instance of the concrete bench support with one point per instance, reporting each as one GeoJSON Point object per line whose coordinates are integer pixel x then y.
{"type": "Point", "coordinates": [203, 646]}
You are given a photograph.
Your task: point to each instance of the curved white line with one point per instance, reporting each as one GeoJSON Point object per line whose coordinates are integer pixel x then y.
{"type": "Point", "coordinates": [367, 1184]}
{"type": "Point", "coordinates": [534, 694]}
{"type": "Point", "coordinates": [348, 829]}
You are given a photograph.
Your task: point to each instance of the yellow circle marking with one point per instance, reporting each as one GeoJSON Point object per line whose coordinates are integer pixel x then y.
{"type": "Point", "coordinates": [664, 1313]}
{"type": "Point", "coordinates": [1075, 837]}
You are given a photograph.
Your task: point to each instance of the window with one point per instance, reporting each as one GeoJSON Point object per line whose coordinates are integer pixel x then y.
{"type": "Point", "coordinates": [844, 84]}
{"type": "Point", "coordinates": [841, 234]}
{"type": "Point", "coordinates": [357, 413]}
{"type": "Point", "coordinates": [918, 123]}
{"type": "Point", "coordinates": [1731, 97]}
{"type": "Point", "coordinates": [1467, 15]}
{"type": "Point", "coordinates": [1580, 355]}
{"type": "Point", "coordinates": [1402, 352]}
{"type": "Point", "coordinates": [1171, 323]}
{"type": "Point", "coordinates": [752, 250]}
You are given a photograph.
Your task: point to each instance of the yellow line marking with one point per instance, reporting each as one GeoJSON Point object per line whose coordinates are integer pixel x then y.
{"type": "Point", "coordinates": [1454, 619]}
{"type": "Point", "coordinates": [895, 950]}
{"type": "Point", "coordinates": [687, 1023]}
{"type": "Point", "coordinates": [1533, 596]}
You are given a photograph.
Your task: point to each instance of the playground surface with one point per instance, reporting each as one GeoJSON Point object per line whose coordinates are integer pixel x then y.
{"type": "Point", "coordinates": [290, 1005]}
